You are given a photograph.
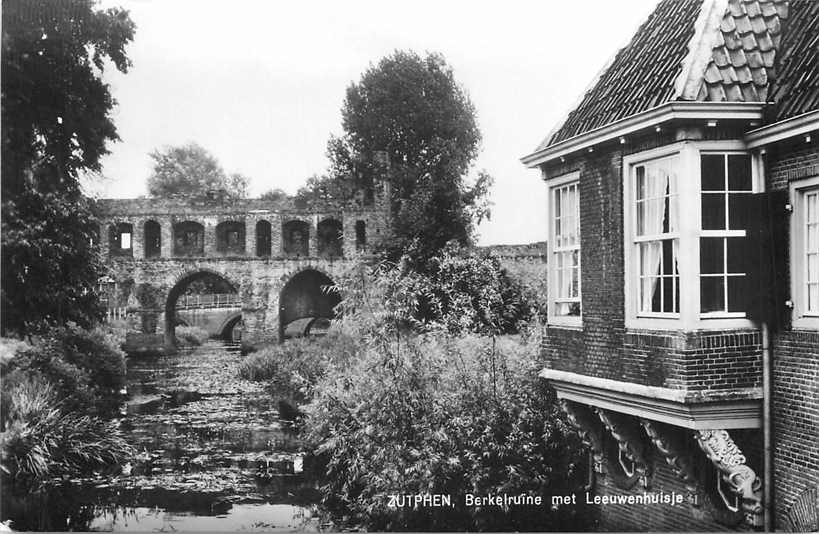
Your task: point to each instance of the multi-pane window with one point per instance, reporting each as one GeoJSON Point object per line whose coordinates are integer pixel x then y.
{"type": "Point", "coordinates": [656, 237]}
{"type": "Point", "coordinates": [566, 249]}
{"type": "Point", "coordinates": [726, 182]}
{"type": "Point", "coordinates": [811, 252]}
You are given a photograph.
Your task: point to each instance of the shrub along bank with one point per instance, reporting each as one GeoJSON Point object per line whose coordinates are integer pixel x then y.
{"type": "Point", "coordinates": [421, 389]}
{"type": "Point", "coordinates": [59, 388]}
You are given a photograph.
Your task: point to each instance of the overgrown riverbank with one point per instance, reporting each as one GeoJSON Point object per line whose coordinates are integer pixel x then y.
{"type": "Point", "coordinates": [60, 388]}
{"type": "Point", "coordinates": [422, 388]}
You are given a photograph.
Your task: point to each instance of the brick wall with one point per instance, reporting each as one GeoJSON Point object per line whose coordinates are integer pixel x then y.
{"type": "Point", "coordinates": [796, 364]}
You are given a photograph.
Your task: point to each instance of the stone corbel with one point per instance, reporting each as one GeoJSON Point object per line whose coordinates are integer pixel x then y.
{"type": "Point", "coordinates": [588, 426]}
{"type": "Point", "coordinates": [742, 481]}
{"type": "Point", "coordinates": [632, 453]}
{"type": "Point", "coordinates": [669, 442]}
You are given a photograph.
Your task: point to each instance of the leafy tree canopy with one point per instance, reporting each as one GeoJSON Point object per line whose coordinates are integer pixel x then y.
{"type": "Point", "coordinates": [411, 109]}
{"type": "Point", "coordinates": [55, 124]}
{"type": "Point", "coordinates": [275, 194]}
{"type": "Point", "coordinates": [191, 171]}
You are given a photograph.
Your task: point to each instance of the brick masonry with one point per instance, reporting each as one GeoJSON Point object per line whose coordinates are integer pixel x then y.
{"type": "Point", "coordinates": [796, 364]}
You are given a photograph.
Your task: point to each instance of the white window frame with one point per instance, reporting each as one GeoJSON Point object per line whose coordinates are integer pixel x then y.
{"type": "Point", "coordinates": [798, 267]}
{"type": "Point", "coordinates": [573, 321]}
{"type": "Point", "coordinates": [689, 317]}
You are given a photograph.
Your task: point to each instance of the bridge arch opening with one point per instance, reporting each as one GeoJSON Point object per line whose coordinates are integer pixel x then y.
{"type": "Point", "coordinates": [153, 239]}
{"type": "Point", "coordinates": [306, 304]}
{"type": "Point", "coordinates": [230, 237]}
{"type": "Point", "coordinates": [188, 239]}
{"type": "Point", "coordinates": [329, 233]}
{"type": "Point", "coordinates": [120, 237]}
{"type": "Point", "coordinates": [204, 299]}
{"type": "Point", "coordinates": [296, 238]}
{"type": "Point", "coordinates": [263, 241]}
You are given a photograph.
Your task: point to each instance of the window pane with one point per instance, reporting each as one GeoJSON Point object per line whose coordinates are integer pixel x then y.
{"type": "Point", "coordinates": [713, 172]}
{"type": "Point", "coordinates": [711, 255]}
{"type": "Point", "coordinates": [813, 238]}
{"type": "Point", "coordinates": [737, 293]}
{"type": "Point", "coordinates": [641, 185]}
{"type": "Point", "coordinates": [813, 298]}
{"type": "Point", "coordinates": [813, 268]}
{"type": "Point", "coordinates": [739, 172]}
{"type": "Point", "coordinates": [668, 295]}
{"type": "Point", "coordinates": [125, 241]}
{"type": "Point", "coordinates": [650, 258]}
{"type": "Point", "coordinates": [738, 255]}
{"type": "Point", "coordinates": [712, 294]}
{"type": "Point", "coordinates": [668, 257]}
{"type": "Point", "coordinates": [713, 211]}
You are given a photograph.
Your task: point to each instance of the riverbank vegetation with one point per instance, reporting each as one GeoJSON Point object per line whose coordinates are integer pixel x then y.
{"type": "Point", "coordinates": [59, 389]}
{"type": "Point", "coordinates": [427, 384]}
{"type": "Point", "coordinates": [190, 336]}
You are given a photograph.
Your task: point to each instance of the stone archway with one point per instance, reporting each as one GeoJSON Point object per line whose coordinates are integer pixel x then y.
{"type": "Point", "coordinates": [305, 298]}
{"type": "Point", "coordinates": [178, 289]}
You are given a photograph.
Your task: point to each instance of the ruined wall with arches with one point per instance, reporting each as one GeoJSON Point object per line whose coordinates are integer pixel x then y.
{"type": "Point", "coordinates": [155, 247]}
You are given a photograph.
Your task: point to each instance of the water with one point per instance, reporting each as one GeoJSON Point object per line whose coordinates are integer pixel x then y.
{"type": "Point", "coordinates": [213, 455]}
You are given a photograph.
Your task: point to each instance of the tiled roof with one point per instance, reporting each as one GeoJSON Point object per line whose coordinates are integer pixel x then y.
{"type": "Point", "coordinates": [642, 74]}
{"type": "Point", "coordinates": [708, 50]}
{"type": "Point", "coordinates": [796, 87]}
{"type": "Point", "coordinates": [744, 54]}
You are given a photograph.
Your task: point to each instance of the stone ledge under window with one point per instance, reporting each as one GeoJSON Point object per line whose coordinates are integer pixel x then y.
{"type": "Point", "coordinates": [696, 410]}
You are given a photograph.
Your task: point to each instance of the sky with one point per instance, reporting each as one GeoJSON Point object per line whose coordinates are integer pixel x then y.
{"type": "Point", "coordinates": [260, 84]}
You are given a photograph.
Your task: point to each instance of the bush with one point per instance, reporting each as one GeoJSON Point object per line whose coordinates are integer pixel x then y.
{"type": "Point", "coordinates": [436, 414]}
{"type": "Point", "coordinates": [40, 441]}
{"type": "Point", "coordinates": [86, 368]}
{"type": "Point", "coordinates": [295, 367]}
{"type": "Point", "coordinates": [190, 336]}
{"type": "Point", "coordinates": [460, 292]}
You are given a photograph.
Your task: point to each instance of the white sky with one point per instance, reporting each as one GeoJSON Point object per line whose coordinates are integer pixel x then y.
{"type": "Point", "coordinates": [260, 84]}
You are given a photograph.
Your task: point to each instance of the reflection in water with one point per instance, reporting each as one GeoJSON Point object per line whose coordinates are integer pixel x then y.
{"type": "Point", "coordinates": [213, 456]}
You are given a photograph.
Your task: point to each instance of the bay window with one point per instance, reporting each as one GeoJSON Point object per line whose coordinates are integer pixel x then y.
{"type": "Point", "coordinates": [564, 251]}
{"type": "Point", "coordinates": [805, 253]}
{"type": "Point", "coordinates": [686, 212]}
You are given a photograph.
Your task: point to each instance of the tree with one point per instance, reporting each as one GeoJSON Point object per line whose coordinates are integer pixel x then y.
{"type": "Point", "coordinates": [412, 108]}
{"type": "Point", "coordinates": [55, 124]}
{"type": "Point", "coordinates": [191, 171]}
{"type": "Point", "coordinates": [275, 195]}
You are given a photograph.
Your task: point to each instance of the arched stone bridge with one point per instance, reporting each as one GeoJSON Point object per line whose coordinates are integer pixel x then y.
{"type": "Point", "coordinates": [278, 257]}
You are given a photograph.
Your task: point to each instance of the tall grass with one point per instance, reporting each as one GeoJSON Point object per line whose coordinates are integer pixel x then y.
{"type": "Point", "coordinates": [191, 336]}
{"type": "Point", "coordinates": [39, 441]}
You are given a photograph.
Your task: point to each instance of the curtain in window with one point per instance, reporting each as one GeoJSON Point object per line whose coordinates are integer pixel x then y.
{"type": "Point", "coordinates": [659, 216]}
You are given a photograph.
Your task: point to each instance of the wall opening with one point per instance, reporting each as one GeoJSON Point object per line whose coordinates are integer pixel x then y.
{"type": "Point", "coordinates": [205, 300]}
{"type": "Point", "coordinates": [263, 238]}
{"type": "Point", "coordinates": [230, 237]}
{"type": "Point", "coordinates": [360, 236]}
{"type": "Point", "coordinates": [296, 238]}
{"type": "Point", "coordinates": [188, 239]}
{"type": "Point", "coordinates": [119, 239]}
{"type": "Point", "coordinates": [306, 305]}
{"type": "Point", "coordinates": [153, 239]}
{"type": "Point", "coordinates": [329, 234]}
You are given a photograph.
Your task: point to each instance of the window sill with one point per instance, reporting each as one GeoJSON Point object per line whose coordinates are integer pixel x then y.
{"type": "Point", "coordinates": [686, 325]}
{"type": "Point", "coordinates": [806, 323]}
{"type": "Point", "coordinates": [567, 322]}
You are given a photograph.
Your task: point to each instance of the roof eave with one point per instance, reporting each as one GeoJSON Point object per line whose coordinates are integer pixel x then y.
{"type": "Point", "coordinates": [784, 129]}
{"type": "Point", "coordinates": [665, 112]}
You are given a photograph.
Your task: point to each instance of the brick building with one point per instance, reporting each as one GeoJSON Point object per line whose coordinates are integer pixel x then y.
{"type": "Point", "coordinates": [683, 253]}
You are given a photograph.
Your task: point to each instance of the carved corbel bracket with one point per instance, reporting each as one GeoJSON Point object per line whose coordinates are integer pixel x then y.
{"type": "Point", "coordinates": [629, 438]}
{"type": "Point", "coordinates": [588, 426]}
{"type": "Point", "coordinates": [742, 481]}
{"type": "Point", "coordinates": [671, 446]}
